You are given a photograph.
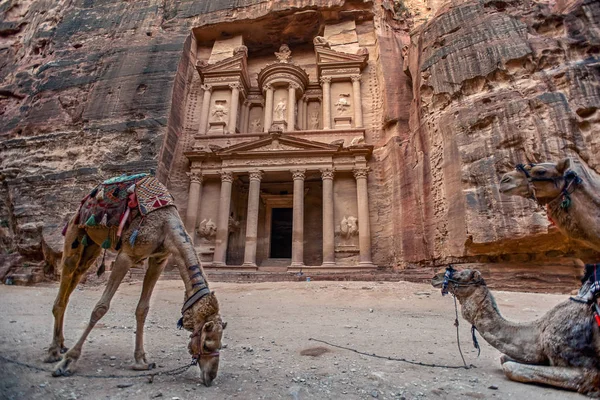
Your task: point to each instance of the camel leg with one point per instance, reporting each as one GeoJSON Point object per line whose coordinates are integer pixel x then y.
{"type": "Point", "coordinates": [576, 379]}
{"type": "Point", "coordinates": [121, 266]}
{"type": "Point", "coordinates": [75, 263]}
{"type": "Point", "coordinates": [155, 268]}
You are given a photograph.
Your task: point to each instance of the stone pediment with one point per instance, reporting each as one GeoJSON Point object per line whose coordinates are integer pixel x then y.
{"type": "Point", "coordinates": [234, 67]}
{"type": "Point", "coordinates": [235, 63]}
{"type": "Point", "coordinates": [327, 58]}
{"type": "Point", "coordinates": [275, 144]}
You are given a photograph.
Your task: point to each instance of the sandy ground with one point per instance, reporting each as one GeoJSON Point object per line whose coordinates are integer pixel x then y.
{"type": "Point", "coordinates": [269, 327]}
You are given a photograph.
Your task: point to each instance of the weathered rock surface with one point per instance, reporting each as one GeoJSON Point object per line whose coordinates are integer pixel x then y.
{"type": "Point", "coordinates": [95, 89]}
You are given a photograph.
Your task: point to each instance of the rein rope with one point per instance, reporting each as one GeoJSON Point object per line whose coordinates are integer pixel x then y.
{"type": "Point", "coordinates": [570, 177]}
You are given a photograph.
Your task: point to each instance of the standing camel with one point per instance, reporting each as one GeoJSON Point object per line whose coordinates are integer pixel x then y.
{"type": "Point", "coordinates": [135, 216]}
{"type": "Point", "coordinates": [561, 349]}
{"type": "Point", "coordinates": [569, 190]}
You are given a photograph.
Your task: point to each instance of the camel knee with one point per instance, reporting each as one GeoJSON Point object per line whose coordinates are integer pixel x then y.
{"type": "Point", "coordinates": [141, 312]}
{"type": "Point", "coordinates": [98, 312]}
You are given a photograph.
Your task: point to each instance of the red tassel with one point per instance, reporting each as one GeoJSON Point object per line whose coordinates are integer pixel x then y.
{"type": "Point", "coordinates": [597, 317]}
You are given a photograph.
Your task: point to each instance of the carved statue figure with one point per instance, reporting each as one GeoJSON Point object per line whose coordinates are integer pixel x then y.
{"type": "Point", "coordinates": [155, 236]}
{"type": "Point", "coordinates": [280, 110]}
{"type": "Point", "coordinates": [349, 227]}
{"type": "Point", "coordinates": [569, 190]}
{"type": "Point", "coordinates": [314, 120]}
{"type": "Point", "coordinates": [207, 229]}
{"type": "Point", "coordinates": [561, 349]}
{"type": "Point", "coordinates": [342, 105]}
{"type": "Point", "coordinates": [284, 55]}
{"type": "Point", "coordinates": [357, 140]}
{"type": "Point", "coordinates": [219, 110]}
{"type": "Point", "coordinates": [321, 41]}
{"type": "Point", "coordinates": [234, 225]}
{"type": "Point", "coordinates": [255, 125]}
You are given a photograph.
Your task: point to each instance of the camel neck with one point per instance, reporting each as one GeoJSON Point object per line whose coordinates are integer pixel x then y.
{"type": "Point", "coordinates": [516, 340]}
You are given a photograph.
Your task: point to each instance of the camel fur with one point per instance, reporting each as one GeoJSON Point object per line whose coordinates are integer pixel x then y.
{"type": "Point", "coordinates": [580, 220]}
{"type": "Point", "coordinates": [561, 349]}
{"type": "Point", "coordinates": [161, 234]}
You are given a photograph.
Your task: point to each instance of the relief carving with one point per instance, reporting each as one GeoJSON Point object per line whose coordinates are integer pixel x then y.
{"type": "Point", "coordinates": [207, 229]}
{"type": "Point", "coordinates": [280, 110]}
{"type": "Point", "coordinates": [314, 120]}
{"type": "Point", "coordinates": [219, 110]}
{"type": "Point", "coordinates": [284, 55]}
{"type": "Point", "coordinates": [357, 140]}
{"type": "Point", "coordinates": [342, 105]}
{"type": "Point", "coordinates": [349, 227]}
{"type": "Point", "coordinates": [255, 125]}
{"type": "Point", "coordinates": [321, 41]}
{"type": "Point", "coordinates": [234, 225]}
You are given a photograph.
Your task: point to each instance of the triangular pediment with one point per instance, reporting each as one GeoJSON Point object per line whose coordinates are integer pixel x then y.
{"type": "Point", "coordinates": [275, 143]}
{"type": "Point", "coordinates": [327, 56]}
{"type": "Point", "coordinates": [235, 63]}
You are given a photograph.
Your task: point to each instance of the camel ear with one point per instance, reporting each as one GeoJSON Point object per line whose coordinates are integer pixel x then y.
{"type": "Point", "coordinates": [476, 276]}
{"type": "Point", "coordinates": [209, 326]}
{"type": "Point", "coordinates": [563, 165]}
{"type": "Point", "coordinates": [224, 325]}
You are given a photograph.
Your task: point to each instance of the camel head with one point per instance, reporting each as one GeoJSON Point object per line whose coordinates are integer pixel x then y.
{"type": "Point", "coordinates": [206, 338]}
{"type": "Point", "coordinates": [461, 283]}
{"type": "Point", "coordinates": [541, 182]}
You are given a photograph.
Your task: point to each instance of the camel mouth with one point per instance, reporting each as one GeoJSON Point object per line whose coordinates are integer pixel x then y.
{"type": "Point", "coordinates": [437, 281]}
{"type": "Point", "coordinates": [506, 185]}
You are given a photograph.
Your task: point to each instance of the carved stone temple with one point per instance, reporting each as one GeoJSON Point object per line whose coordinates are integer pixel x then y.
{"type": "Point", "coordinates": [278, 162]}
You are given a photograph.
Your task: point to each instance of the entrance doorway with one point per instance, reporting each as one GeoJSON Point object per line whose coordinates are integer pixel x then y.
{"type": "Point", "coordinates": [281, 233]}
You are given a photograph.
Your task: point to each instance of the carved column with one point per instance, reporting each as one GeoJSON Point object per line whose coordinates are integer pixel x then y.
{"type": "Point", "coordinates": [291, 117]}
{"type": "Point", "coordinates": [364, 230]}
{"type": "Point", "coordinates": [235, 99]}
{"type": "Point", "coordinates": [305, 113]}
{"type": "Point", "coordinates": [358, 116]}
{"type": "Point", "coordinates": [268, 119]}
{"type": "Point", "coordinates": [252, 219]}
{"type": "Point", "coordinates": [298, 218]}
{"type": "Point", "coordinates": [245, 116]}
{"type": "Point", "coordinates": [326, 83]}
{"type": "Point", "coordinates": [300, 113]}
{"type": "Point", "coordinates": [328, 221]}
{"type": "Point", "coordinates": [223, 219]}
{"type": "Point", "coordinates": [193, 201]}
{"type": "Point", "coordinates": [205, 109]}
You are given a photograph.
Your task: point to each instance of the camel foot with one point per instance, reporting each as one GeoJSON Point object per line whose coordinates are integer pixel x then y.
{"type": "Point", "coordinates": [504, 358]}
{"type": "Point", "coordinates": [55, 354]}
{"type": "Point", "coordinates": [65, 368]}
{"type": "Point", "coordinates": [143, 366]}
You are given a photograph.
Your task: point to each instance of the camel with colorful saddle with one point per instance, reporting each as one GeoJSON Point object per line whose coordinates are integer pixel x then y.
{"type": "Point", "coordinates": [135, 216]}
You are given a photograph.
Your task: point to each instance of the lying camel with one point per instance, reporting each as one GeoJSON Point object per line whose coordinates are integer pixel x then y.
{"type": "Point", "coordinates": [561, 349]}
{"type": "Point", "coordinates": [569, 190]}
{"type": "Point", "coordinates": [114, 216]}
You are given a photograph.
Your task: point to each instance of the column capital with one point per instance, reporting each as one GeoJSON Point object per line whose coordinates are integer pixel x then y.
{"type": "Point", "coordinates": [255, 175]}
{"type": "Point", "coordinates": [327, 173]}
{"type": "Point", "coordinates": [235, 85]}
{"type": "Point", "coordinates": [267, 87]}
{"type": "Point", "coordinates": [298, 174]}
{"type": "Point", "coordinates": [195, 176]}
{"type": "Point", "coordinates": [325, 79]}
{"type": "Point", "coordinates": [246, 103]}
{"type": "Point", "coordinates": [294, 85]}
{"type": "Point", "coordinates": [226, 176]}
{"type": "Point", "coordinates": [207, 88]}
{"type": "Point", "coordinates": [355, 78]}
{"type": "Point", "coordinates": [361, 172]}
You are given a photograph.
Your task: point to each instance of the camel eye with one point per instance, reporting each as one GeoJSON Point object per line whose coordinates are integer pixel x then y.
{"type": "Point", "coordinates": [540, 173]}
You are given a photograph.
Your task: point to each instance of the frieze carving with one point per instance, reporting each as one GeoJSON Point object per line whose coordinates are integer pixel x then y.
{"type": "Point", "coordinates": [341, 71]}
{"type": "Point", "coordinates": [298, 174]}
{"type": "Point", "coordinates": [275, 162]}
{"type": "Point", "coordinates": [349, 227]}
{"type": "Point", "coordinates": [342, 105]}
{"type": "Point", "coordinates": [255, 175]}
{"type": "Point", "coordinates": [226, 176]}
{"type": "Point", "coordinates": [195, 177]}
{"type": "Point", "coordinates": [327, 173]}
{"type": "Point", "coordinates": [207, 229]}
{"type": "Point", "coordinates": [219, 110]}
{"type": "Point", "coordinates": [284, 55]}
{"type": "Point", "coordinates": [274, 146]}
{"type": "Point", "coordinates": [360, 173]}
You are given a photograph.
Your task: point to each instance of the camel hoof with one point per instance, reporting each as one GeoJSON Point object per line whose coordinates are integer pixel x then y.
{"type": "Point", "coordinates": [143, 367]}
{"type": "Point", "coordinates": [64, 368]}
{"type": "Point", "coordinates": [504, 358]}
{"type": "Point", "coordinates": [54, 355]}
{"type": "Point", "coordinates": [63, 350]}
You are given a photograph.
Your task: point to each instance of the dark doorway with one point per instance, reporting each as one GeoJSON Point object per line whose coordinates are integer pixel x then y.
{"type": "Point", "coordinates": [281, 233]}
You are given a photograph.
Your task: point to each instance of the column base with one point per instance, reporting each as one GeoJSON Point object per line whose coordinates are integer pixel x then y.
{"type": "Point", "coordinates": [328, 264]}
{"type": "Point", "coordinates": [249, 264]}
{"type": "Point", "coordinates": [367, 264]}
{"type": "Point", "coordinates": [218, 264]}
{"type": "Point", "coordinates": [296, 264]}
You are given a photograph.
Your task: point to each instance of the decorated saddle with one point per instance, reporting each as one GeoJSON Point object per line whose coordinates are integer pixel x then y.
{"type": "Point", "coordinates": [116, 202]}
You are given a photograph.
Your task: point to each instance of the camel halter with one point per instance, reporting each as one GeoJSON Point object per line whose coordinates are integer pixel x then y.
{"type": "Point", "coordinates": [569, 178]}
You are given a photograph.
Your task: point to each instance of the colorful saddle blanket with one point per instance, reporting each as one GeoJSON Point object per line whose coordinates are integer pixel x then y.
{"type": "Point", "coordinates": [123, 197]}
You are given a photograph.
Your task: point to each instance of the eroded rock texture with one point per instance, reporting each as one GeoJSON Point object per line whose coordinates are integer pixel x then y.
{"type": "Point", "coordinates": [495, 83]}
